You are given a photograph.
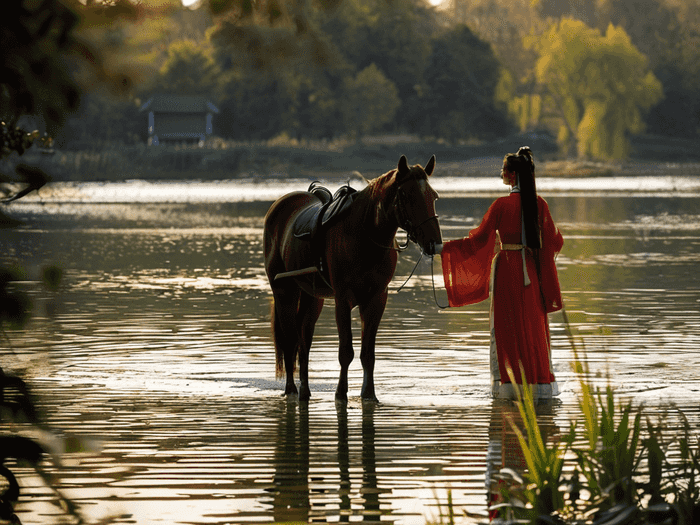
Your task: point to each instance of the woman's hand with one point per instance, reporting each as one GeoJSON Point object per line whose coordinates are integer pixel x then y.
{"type": "Point", "coordinates": [436, 249]}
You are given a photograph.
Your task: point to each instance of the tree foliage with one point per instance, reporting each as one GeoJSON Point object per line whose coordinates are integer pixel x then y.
{"type": "Point", "coordinates": [667, 32]}
{"type": "Point", "coordinates": [462, 75]}
{"type": "Point", "coordinates": [283, 68]}
{"type": "Point", "coordinates": [598, 85]}
{"type": "Point", "coordinates": [370, 100]}
{"type": "Point", "coordinates": [189, 69]}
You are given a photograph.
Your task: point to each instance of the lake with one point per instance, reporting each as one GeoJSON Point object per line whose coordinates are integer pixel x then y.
{"type": "Point", "coordinates": [156, 352]}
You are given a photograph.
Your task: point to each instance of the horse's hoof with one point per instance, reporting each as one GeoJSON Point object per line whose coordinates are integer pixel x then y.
{"type": "Point", "coordinates": [368, 395]}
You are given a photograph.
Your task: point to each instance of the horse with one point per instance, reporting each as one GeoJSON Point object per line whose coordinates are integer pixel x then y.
{"type": "Point", "coordinates": [352, 260]}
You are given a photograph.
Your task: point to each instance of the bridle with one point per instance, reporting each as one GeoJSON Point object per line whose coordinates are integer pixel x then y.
{"type": "Point", "coordinates": [404, 220]}
{"type": "Point", "coordinates": [406, 223]}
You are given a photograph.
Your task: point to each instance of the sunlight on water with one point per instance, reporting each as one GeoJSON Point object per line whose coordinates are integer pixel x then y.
{"type": "Point", "coordinates": [246, 190]}
{"type": "Point", "coordinates": [157, 352]}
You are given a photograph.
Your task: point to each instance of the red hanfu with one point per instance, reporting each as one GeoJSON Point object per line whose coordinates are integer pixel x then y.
{"type": "Point", "coordinates": [491, 261]}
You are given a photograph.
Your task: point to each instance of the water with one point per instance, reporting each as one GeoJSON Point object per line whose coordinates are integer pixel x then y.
{"type": "Point", "coordinates": [156, 353]}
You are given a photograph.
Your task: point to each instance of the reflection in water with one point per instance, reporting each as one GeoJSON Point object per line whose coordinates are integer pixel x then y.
{"type": "Point", "coordinates": [291, 488]}
{"type": "Point", "coordinates": [370, 490]}
{"type": "Point", "coordinates": [302, 496]}
{"type": "Point", "coordinates": [159, 345]}
{"type": "Point", "coordinates": [504, 450]}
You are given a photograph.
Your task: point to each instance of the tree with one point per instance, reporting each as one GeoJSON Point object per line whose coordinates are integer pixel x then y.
{"type": "Point", "coordinates": [189, 69]}
{"type": "Point", "coordinates": [462, 74]}
{"type": "Point", "coordinates": [370, 100]}
{"type": "Point", "coordinates": [314, 111]}
{"type": "Point", "coordinates": [400, 46]}
{"type": "Point", "coordinates": [597, 86]}
{"type": "Point", "coordinates": [503, 24]}
{"type": "Point", "coordinates": [652, 26]}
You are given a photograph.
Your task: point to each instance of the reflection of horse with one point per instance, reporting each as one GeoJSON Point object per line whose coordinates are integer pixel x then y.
{"type": "Point", "coordinates": [351, 258]}
{"type": "Point", "coordinates": [298, 498]}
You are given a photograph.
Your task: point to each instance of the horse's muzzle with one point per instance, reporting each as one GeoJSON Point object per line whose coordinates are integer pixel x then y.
{"type": "Point", "coordinates": [428, 235]}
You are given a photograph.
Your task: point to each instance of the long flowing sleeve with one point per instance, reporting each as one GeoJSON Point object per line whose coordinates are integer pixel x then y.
{"type": "Point", "coordinates": [466, 263]}
{"type": "Point", "coordinates": [552, 243]}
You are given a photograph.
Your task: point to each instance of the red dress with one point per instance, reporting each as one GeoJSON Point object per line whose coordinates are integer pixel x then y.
{"type": "Point", "coordinates": [491, 262]}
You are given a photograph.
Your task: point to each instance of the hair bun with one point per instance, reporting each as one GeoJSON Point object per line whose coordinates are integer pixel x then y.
{"type": "Point", "coordinates": [525, 151]}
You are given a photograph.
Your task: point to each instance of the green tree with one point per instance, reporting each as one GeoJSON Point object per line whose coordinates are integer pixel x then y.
{"type": "Point", "coordinates": [524, 106]}
{"type": "Point", "coordinates": [462, 74]}
{"type": "Point", "coordinates": [314, 112]}
{"type": "Point", "coordinates": [369, 101]}
{"type": "Point", "coordinates": [653, 27]}
{"type": "Point", "coordinates": [350, 29]}
{"type": "Point", "coordinates": [597, 85]}
{"type": "Point", "coordinates": [253, 106]}
{"type": "Point", "coordinates": [503, 24]}
{"type": "Point", "coordinates": [399, 45]}
{"type": "Point", "coordinates": [189, 69]}
{"type": "Point", "coordinates": [679, 70]}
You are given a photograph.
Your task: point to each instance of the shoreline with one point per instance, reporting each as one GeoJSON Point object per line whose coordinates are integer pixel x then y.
{"type": "Point", "coordinates": [336, 161]}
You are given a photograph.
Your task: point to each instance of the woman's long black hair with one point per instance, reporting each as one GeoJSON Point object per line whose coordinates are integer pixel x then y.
{"type": "Point", "coordinates": [523, 164]}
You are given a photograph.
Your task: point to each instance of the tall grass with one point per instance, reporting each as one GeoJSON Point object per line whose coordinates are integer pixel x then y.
{"type": "Point", "coordinates": [625, 470]}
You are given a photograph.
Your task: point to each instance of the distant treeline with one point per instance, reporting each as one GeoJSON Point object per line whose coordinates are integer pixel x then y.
{"type": "Point", "coordinates": [591, 74]}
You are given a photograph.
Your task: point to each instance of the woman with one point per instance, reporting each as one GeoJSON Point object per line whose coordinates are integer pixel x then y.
{"type": "Point", "coordinates": [510, 257]}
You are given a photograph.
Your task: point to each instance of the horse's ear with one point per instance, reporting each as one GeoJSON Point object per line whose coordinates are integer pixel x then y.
{"type": "Point", "coordinates": [430, 166]}
{"type": "Point", "coordinates": [403, 165]}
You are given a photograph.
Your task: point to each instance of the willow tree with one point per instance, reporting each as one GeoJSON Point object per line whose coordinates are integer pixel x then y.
{"type": "Point", "coordinates": [598, 87]}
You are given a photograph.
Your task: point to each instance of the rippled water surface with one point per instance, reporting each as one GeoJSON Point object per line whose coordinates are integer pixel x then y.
{"type": "Point", "coordinates": [157, 353]}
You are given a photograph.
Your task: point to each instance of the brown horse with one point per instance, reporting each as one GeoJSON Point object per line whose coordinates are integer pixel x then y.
{"type": "Point", "coordinates": [353, 261]}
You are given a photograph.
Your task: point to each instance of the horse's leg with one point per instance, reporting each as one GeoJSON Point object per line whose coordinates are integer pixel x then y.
{"type": "Point", "coordinates": [371, 314]}
{"type": "Point", "coordinates": [285, 331]}
{"type": "Point", "coordinates": [346, 354]}
{"type": "Point", "coordinates": [309, 311]}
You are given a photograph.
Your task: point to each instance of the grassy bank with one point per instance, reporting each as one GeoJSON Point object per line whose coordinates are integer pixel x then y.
{"type": "Point", "coordinates": [373, 156]}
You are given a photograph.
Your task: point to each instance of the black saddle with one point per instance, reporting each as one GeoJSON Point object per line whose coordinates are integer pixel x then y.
{"type": "Point", "coordinates": [311, 221]}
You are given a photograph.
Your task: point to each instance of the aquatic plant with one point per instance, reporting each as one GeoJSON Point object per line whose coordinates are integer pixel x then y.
{"type": "Point", "coordinates": [446, 512]}
{"type": "Point", "coordinates": [618, 476]}
{"type": "Point", "coordinates": [537, 491]}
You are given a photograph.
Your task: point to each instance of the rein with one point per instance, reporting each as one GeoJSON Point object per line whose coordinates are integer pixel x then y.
{"type": "Point", "coordinates": [432, 275]}
{"type": "Point", "coordinates": [398, 248]}
{"type": "Point", "coordinates": [404, 223]}
{"type": "Point", "coordinates": [412, 272]}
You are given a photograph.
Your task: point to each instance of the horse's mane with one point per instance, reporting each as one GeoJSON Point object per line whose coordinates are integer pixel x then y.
{"type": "Point", "coordinates": [383, 186]}
{"type": "Point", "coordinates": [381, 191]}
{"type": "Point", "coordinates": [378, 188]}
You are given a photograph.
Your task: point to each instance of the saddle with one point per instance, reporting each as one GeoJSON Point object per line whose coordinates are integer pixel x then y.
{"type": "Point", "coordinates": [312, 221]}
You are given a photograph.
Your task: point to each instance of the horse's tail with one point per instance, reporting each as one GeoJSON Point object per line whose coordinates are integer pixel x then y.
{"type": "Point", "coordinates": [277, 337]}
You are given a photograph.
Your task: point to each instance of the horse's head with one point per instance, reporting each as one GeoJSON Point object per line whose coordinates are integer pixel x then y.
{"type": "Point", "coordinates": [415, 204]}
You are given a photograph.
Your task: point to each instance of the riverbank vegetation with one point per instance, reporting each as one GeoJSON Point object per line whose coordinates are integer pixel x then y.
{"type": "Point", "coordinates": [592, 76]}
{"type": "Point", "coordinates": [619, 465]}
{"type": "Point", "coordinates": [283, 157]}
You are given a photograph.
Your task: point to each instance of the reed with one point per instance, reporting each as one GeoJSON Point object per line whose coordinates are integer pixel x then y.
{"type": "Point", "coordinates": [624, 469]}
